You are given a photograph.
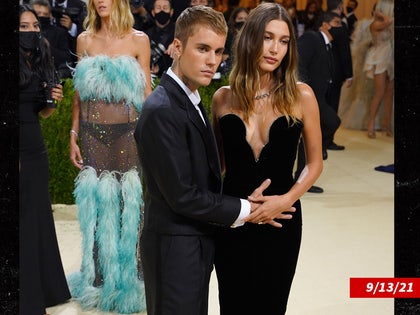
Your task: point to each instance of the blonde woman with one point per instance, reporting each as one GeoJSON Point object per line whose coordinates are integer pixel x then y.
{"type": "Point", "coordinates": [112, 78]}
{"type": "Point", "coordinates": [379, 64]}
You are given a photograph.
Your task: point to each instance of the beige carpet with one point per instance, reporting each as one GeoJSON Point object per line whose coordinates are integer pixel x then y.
{"type": "Point", "coordinates": [348, 231]}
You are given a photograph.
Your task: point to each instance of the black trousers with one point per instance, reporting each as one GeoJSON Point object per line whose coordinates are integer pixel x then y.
{"type": "Point", "coordinates": [329, 123]}
{"type": "Point", "coordinates": [177, 271]}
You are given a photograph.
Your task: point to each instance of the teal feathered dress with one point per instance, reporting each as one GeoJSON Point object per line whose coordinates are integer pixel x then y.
{"type": "Point", "coordinates": [108, 190]}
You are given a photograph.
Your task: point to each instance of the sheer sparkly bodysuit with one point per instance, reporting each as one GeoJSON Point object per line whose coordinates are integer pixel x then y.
{"type": "Point", "coordinates": [108, 189]}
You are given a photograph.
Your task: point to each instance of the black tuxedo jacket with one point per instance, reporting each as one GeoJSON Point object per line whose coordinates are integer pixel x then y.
{"type": "Point", "coordinates": [180, 166]}
{"type": "Point", "coordinates": [59, 44]}
{"type": "Point", "coordinates": [343, 68]}
{"type": "Point", "coordinates": [315, 64]}
{"type": "Point", "coordinates": [351, 21]}
{"type": "Point", "coordinates": [316, 69]}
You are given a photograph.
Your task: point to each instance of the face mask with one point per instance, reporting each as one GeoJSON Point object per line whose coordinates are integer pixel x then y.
{"type": "Point", "coordinates": [29, 40]}
{"type": "Point", "coordinates": [162, 17]}
{"type": "Point", "coordinates": [349, 9]}
{"type": "Point", "coordinates": [334, 31]}
{"type": "Point", "coordinates": [45, 21]}
{"type": "Point", "coordinates": [238, 25]}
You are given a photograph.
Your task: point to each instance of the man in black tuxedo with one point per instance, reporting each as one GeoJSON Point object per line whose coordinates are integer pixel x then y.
{"type": "Point", "coordinates": [181, 172]}
{"type": "Point", "coordinates": [343, 68]}
{"type": "Point", "coordinates": [56, 36]}
{"type": "Point", "coordinates": [316, 69]}
{"type": "Point", "coordinates": [351, 17]}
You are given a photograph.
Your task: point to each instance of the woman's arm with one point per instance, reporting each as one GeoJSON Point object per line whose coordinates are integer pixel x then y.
{"type": "Point", "coordinates": [275, 206]}
{"type": "Point", "coordinates": [220, 98]}
{"type": "Point", "coordinates": [75, 155]}
{"type": "Point", "coordinates": [380, 22]}
{"type": "Point", "coordinates": [143, 57]}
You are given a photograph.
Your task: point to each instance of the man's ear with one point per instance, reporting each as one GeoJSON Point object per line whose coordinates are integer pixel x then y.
{"type": "Point", "coordinates": [171, 13]}
{"type": "Point", "coordinates": [177, 44]}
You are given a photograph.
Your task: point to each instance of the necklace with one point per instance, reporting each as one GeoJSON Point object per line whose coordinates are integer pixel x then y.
{"type": "Point", "coordinates": [261, 96]}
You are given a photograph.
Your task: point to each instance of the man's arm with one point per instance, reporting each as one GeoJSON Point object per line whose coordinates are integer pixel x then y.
{"type": "Point", "coordinates": [167, 144]}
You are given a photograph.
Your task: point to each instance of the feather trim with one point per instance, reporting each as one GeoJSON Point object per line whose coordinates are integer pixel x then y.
{"type": "Point", "coordinates": [110, 79]}
{"type": "Point", "coordinates": [86, 184]}
{"type": "Point", "coordinates": [107, 236]}
{"type": "Point", "coordinates": [130, 297]}
{"type": "Point", "coordinates": [86, 295]}
{"type": "Point", "coordinates": [99, 202]}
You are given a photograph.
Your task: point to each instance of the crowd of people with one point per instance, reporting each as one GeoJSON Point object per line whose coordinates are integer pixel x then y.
{"type": "Point", "coordinates": [164, 193]}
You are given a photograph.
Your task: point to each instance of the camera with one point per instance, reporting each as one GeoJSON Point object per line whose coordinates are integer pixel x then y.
{"type": "Point", "coordinates": [156, 51]}
{"type": "Point", "coordinates": [58, 12]}
{"type": "Point", "coordinates": [48, 86]}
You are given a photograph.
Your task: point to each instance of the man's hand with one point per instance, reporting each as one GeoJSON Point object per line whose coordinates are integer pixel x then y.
{"type": "Point", "coordinates": [66, 21]}
{"type": "Point", "coordinates": [264, 209]}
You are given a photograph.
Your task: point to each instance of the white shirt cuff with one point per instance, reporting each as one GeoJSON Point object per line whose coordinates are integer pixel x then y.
{"type": "Point", "coordinates": [245, 211]}
{"type": "Point", "coordinates": [73, 30]}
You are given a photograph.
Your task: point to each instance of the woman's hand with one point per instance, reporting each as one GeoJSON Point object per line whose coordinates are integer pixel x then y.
{"type": "Point", "coordinates": [75, 156]}
{"type": "Point", "coordinates": [57, 92]}
{"type": "Point", "coordinates": [271, 207]}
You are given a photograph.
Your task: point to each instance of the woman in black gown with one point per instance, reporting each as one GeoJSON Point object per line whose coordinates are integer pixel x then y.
{"type": "Point", "coordinates": [258, 122]}
{"type": "Point", "coordinates": [42, 280]}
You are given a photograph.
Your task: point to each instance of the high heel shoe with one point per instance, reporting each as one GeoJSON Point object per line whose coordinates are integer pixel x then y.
{"type": "Point", "coordinates": [388, 132]}
{"type": "Point", "coordinates": [371, 134]}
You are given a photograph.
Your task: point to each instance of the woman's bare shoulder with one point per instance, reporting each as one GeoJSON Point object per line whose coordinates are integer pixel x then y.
{"type": "Point", "coordinates": [139, 35]}
{"type": "Point", "coordinates": [222, 100]}
{"type": "Point", "coordinates": [305, 91]}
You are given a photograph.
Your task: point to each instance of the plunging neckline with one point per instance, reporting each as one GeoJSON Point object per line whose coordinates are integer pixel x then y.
{"type": "Point", "coordinates": [255, 156]}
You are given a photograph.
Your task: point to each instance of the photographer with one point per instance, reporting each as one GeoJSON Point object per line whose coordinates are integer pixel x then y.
{"type": "Point", "coordinates": [142, 18]}
{"type": "Point", "coordinates": [42, 282]}
{"type": "Point", "coordinates": [56, 36]}
{"type": "Point", "coordinates": [161, 35]}
{"type": "Point", "coordinates": [70, 15]}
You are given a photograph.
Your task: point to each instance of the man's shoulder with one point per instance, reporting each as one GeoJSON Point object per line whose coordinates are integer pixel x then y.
{"type": "Point", "coordinates": [308, 38]}
{"type": "Point", "coordinates": [308, 34]}
{"type": "Point", "coordinates": [158, 97]}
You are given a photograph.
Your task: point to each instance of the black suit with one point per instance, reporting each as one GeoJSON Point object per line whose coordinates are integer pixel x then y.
{"type": "Point", "coordinates": [181, 171]}
{"type": "Point", "coordinates": [351, 21]}
{"type": "Point", "coordinates": [343, 68]}
{"type": "Point", "coordinates": [60, 49]}
{"type": "Point", "coordinates": [316, 69]}
{"type": "Point", "coordinates": [80, 6]}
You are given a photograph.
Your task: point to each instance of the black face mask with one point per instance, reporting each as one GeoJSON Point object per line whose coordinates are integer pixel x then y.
{"type": "Point", "coordinates": [238, 25]}
{"type": "Point", "coordinates": [45, 21]}
{"type": "Point", "coordinates": [162, 17]}
{"type": "Point", "coordinates": [349, 9]}
{"type": "Point", "coordinates": [29, 40]}
{"type": "Point", "coordinates": [334, 31]}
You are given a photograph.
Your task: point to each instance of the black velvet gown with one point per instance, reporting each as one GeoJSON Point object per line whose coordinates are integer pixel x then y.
{"type": "Point", "coordinates": [42, 280]}
{"type": "Point", "coordinates": [255, 264]}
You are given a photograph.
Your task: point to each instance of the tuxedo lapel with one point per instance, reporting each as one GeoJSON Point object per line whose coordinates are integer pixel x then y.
{"type": "Point", "coordinates": [205, 130]}
{"type": "Point", "coordinates": [211, 146]}
{"type": "Point", "coordinates": [208, 137]}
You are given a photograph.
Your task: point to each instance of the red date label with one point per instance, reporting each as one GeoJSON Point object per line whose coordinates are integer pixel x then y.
{"type": "Point", "coordinates": [385, 288]}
